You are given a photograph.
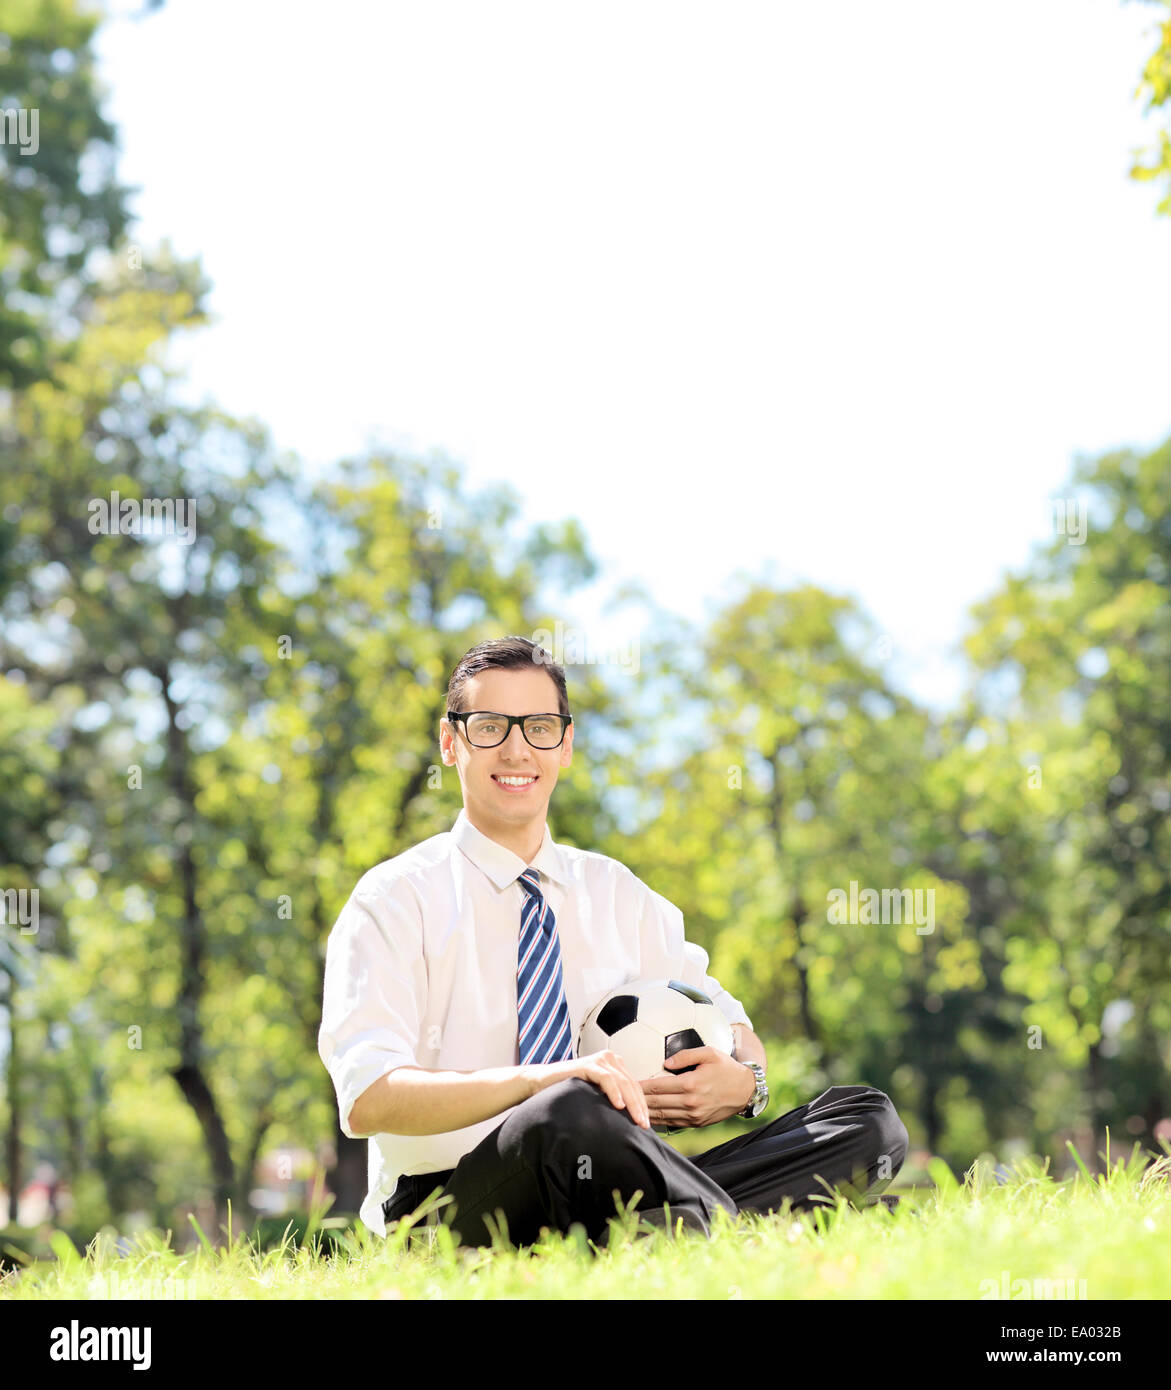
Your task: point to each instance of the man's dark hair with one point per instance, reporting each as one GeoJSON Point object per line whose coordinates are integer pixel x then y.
{"type": "Point", "coordinates": [509, 654]}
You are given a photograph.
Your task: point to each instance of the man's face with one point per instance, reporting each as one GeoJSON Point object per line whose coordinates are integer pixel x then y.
{"type": "Point", "coordinates": [486, 799]}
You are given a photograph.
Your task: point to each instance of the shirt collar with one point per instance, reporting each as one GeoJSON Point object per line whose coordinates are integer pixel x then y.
{"type": "Point", "coordinates": [500, 863]}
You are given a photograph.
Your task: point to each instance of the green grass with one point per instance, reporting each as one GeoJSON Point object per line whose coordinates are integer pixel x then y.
{"type": "Point", "coordinates": [942, 1241]}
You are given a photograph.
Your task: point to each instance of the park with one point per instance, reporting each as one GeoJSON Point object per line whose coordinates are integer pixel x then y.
{"type": "Point", "coordinates": [371, 719]}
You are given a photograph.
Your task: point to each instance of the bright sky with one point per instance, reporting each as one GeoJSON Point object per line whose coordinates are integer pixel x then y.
{"type": "Point", "coordinates": [816, 292]}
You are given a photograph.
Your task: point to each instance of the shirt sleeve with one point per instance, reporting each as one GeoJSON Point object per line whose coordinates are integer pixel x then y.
{"type": "Point", "coordinates": [375, 992]}
{"type": "Point", "coordinates": [665, 948]}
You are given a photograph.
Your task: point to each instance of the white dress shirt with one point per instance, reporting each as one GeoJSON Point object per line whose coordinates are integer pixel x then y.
{"type": "Point", "coordinates": [420, 970]}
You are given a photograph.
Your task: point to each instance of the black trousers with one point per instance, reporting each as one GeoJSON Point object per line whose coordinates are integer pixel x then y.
{"type": "Point", "coordinates": [560, 1156]}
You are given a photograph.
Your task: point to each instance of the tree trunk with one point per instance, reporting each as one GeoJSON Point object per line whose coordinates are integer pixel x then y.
{"type": "Point", "coordinates": [12, 1149]}
{"type": "Point", "coordinates": [812, 1032]}
{"type": "Point", "coordinates": [189, 1073]}
{"type": "Point", "coordinates": [1098, 1119]}
{"type": "Point", "coordinates": [198, 1095]}
{"type": "Point", "coordinates": [248, 1168]}
{"type": "Point", "coordinates": [776, 825]}
{"type": "Point", "coordinates": [74, 1156]}
{"type": "Point", "coordinates": [1156, 1104]}
{"type": "Point", "coordinates": [932, 1123]}
{"type": "Point", "coordinates": [348, 1177]}
{"type": "Point", "coordinates": [103, 1158]}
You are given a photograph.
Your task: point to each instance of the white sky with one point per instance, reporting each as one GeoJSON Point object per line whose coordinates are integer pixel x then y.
{"type": "Point", "coordinates": [819, 292]}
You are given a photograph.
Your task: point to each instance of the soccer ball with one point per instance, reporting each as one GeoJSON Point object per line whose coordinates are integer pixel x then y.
{"type": "Point", "coordinates": [647, 1021]}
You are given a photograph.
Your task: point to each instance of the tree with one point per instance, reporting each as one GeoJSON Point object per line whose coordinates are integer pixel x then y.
{"type": "Point", "coordinates": [1079, 648]}
{"type": "Point", "coordinates": [53, 218]}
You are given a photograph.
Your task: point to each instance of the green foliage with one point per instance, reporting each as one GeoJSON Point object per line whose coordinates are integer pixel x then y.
{"type": "Point", "coordinates": [52, 218]}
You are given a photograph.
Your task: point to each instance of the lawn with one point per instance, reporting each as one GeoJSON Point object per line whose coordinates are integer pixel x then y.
{"type": "Point", "coordinates": [1024, 1234]}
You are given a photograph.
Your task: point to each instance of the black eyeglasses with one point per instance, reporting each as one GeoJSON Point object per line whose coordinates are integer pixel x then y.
{"type": "Point", "coordinates": [483, 729]}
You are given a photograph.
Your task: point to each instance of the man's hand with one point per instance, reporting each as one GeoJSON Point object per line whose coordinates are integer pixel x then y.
{"type": "Point", "coordinates": [718, 1087]}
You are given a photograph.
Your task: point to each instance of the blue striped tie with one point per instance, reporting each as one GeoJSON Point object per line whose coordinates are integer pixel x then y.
{"type": "Point", "coordinates": [543, 1016]}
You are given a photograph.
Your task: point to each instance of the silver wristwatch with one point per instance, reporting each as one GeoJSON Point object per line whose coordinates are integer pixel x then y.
{"type": "Point", "coordinates": [759, 1096]}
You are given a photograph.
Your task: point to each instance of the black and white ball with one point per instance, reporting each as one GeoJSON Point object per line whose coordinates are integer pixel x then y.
{"type": "Point", "coordinates": [647, 1021]}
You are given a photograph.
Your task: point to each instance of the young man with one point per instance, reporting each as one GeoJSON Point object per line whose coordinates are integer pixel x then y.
{"type": "Point", "coordinates": [458, 974]}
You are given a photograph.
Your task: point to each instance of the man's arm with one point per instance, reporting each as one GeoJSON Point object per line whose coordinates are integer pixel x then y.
{"type": "Point", "coordinates": [417, 1100]}
{"type": "Point", "coordinates": [747, 1047]}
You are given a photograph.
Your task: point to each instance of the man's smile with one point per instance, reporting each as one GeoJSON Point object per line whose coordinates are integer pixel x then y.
{"type": "Point", "coordinates": [514, 783]}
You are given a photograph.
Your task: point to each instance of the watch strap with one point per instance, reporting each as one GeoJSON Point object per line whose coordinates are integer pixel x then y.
{"type": "Point", "coordinates": [760, 1094]}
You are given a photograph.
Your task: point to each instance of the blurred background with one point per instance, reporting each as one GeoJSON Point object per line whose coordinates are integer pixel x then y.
{"type": "Point", "coordinates": [799, 380]}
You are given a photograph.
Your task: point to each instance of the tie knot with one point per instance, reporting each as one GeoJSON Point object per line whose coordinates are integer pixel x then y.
{"type": "Point", "coordinates": [530, 882]}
